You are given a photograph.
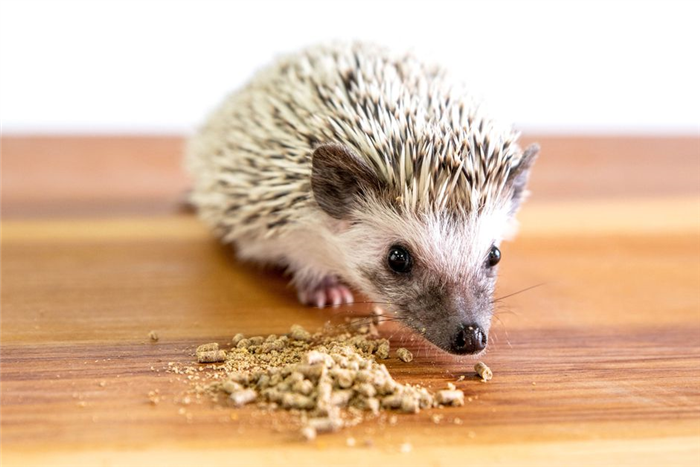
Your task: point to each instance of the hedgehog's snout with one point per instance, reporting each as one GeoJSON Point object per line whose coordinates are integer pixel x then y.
{"type": "Point", "coordinates": [470, 339]}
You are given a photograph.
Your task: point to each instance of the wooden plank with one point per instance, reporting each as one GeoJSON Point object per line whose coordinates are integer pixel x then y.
{"type": "Point", "coordinates": [59, 176]}
{"type": "Point", "coordinates": [63, 176]}
{"type": "Point", "coordinates": [610, 339]}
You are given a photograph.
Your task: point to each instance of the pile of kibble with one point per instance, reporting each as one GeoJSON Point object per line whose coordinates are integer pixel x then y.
{"type": "Point", "coordinates": [319, 375]}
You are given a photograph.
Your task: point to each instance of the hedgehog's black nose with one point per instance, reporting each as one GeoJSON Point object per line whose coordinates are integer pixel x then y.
{"type": "Point", "coordinates": [470, 339]}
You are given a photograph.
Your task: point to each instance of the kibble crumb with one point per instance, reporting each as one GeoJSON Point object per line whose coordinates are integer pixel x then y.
{"type": "Point", "coordinates": [450, 397]}
{"type": "Point", "coordinates": [404, 354]}
{"type": "Point", "coordinates": [230, 387]}
{"type": "Point", "coordinates": [483, 371]}
{"type": "Point", "coordinates": [313, 357]}
{"type": "Point", "coordinates": [236, 339]}
{"type": "Point", "coordinates": [383, 349]}
{"type": "Point", "coordinates": [210, 353]}
{"type": "Point", "coordinates": [208, 347]}
{"type": "Point", "coordinates": [242, 397]}
{"type": "Point", "coordinates": [325, 424]}
{"type": "Point", "coordinates": [308, 433]}
{"type": "Point", "coordinates": [256, 340]}
{"type": "Point", "coordinates": [154, 397]}
{"type": "Point", "coordinates": [299, 333]}
{"type": "Point", "coordinates": [330, 379]}
{"type": "Point", "coordinates": [153, 336]}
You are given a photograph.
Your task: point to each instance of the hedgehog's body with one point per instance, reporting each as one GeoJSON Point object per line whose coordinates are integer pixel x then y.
{"type": "Point", "coordinates": [333, 160]}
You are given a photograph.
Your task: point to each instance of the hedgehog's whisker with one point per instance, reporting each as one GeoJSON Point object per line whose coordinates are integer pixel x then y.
{"type": "Point", "coordinates": [505, 331]}
{"type": "Point", "coordinates": [518, 292]}
{"type": "Point", "coordinates": [505, 312]}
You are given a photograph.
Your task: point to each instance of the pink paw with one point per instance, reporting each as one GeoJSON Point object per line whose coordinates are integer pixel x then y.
{"type": "Point", "coordinates": [328, 293]}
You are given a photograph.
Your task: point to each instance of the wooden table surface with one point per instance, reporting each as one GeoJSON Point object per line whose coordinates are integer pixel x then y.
{"type": "Point", "coordinates": [599, 365]}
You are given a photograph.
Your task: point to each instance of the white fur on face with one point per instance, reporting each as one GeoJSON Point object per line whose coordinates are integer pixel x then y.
{"type": "Point", "coordinates": [452, 247]}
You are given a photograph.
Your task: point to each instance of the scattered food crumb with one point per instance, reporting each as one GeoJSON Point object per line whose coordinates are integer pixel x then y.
{"type": "Point", "coordinates": [383, 349]}
{"type": "Point", "coordinates": [154, 397]}
{"type": "Point", "coordinates": [483, 371]}
{"type": "Point", "coordinates": [210, 353]}
{"type": "Point", "coordinates": [243, 397]}
{"type": "Point", "coordinates": [329, 424]}
{"type": "Point", "coordinates": [299, 333]}
{"type": "Point", "coordinates": [404, 354]}
{"type": "Point", "coordinates": [330, 379]}
{"type": "Point", "coordinates": [450, 397]}
{"type": "Point", "coordinates": [153, 335]}
{"type": "Point", "coordinates": [308, 433]}
{"type": "Point", "coordinates": [236, 339]}
{"type": "Point", "coordinates": [461, 378]}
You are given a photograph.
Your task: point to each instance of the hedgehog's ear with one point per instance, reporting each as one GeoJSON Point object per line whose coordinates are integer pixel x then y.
{"type": "Point", "coordinates": [339, 179]}
{"type": "Point", "coordinates": [519, 175]}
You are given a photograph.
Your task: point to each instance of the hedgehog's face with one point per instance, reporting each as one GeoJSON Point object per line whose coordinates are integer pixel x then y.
{"type": "Point", "coordinates": [435, 270]}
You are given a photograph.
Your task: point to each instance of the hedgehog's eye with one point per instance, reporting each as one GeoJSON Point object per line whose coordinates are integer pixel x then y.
{"type": "Point", "coordinates": [494, 256]}
{"type": "Point", "coordinates": [399, 259]}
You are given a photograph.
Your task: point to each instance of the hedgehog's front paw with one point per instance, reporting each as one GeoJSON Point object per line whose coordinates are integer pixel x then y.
{"type": "Point", "coordinates": [328, 293]}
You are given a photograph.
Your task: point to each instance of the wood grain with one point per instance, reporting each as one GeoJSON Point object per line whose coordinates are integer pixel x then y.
{"type": "Point", "coordinates": [53, 176]}
{"type": "Point", "coordinates": [598, 365]}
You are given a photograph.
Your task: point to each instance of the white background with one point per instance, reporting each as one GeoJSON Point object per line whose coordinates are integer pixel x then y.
{"type": "Point", "coordinates": [160, 66]}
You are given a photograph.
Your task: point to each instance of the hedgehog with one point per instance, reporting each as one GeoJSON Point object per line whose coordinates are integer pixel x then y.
{"type": "Point", "coordinates": [359, 169]}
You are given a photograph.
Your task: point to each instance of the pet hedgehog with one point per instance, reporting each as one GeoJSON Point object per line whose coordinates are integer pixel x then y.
{"type": "Point", "coordinates": [357, 168]}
